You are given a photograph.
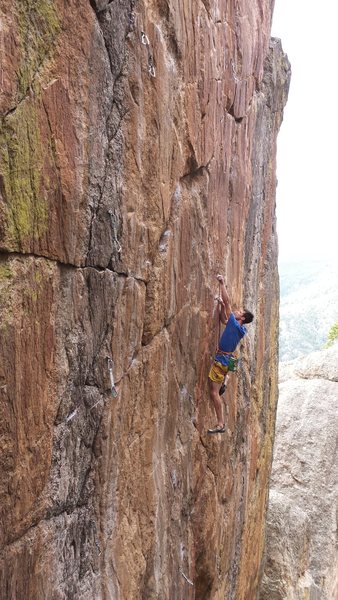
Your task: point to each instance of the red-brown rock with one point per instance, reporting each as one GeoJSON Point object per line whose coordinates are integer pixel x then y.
{"type": "Point", "coordinates": [122, 195]}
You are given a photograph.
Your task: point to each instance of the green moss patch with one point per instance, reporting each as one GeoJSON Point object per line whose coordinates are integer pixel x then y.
{"type": "Point", "coordinates": [38, 27]}
{"type": "Point", "coordinates": [22, 158]}
{"type": "Point", "coordinates": [5, 272]}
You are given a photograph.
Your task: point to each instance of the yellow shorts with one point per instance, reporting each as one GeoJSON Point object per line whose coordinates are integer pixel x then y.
{"type": "Point", "coordinates": [217, 372]}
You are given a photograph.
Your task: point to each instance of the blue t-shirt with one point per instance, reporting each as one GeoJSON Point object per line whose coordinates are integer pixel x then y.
{"type": "Point", "coordinates": [230, 338]}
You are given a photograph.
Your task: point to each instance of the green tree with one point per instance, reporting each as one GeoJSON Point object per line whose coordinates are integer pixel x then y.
{"type": "Point", "coordinates": [332, 335]}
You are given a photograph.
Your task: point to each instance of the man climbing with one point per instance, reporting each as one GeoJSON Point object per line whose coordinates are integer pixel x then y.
{"type": "Point", "coordinates": [224, 359]}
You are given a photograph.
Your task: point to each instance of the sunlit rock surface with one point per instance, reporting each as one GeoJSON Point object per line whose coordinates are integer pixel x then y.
{"type": "Point", "coordinates": [302, 559]}
{"type": "Point", "coordinates": [137, 160]}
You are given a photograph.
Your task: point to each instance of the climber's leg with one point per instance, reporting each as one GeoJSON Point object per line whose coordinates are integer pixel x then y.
{"type": "Point", "coordinates": [217, 402]}
{"type": "Point", "coordinates": [215, 380]}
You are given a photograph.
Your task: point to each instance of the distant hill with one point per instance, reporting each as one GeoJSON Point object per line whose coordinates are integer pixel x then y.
{"type": "Point", "coordinates": [308, 306]}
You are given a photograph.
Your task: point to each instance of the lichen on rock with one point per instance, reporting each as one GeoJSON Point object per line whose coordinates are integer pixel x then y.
{"type": "Point", "coordinates": [22, 158]}
{"type": "Point", "coordinates": [38, 26]}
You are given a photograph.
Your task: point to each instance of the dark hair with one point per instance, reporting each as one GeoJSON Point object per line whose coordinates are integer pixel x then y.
{"type": "Point", "coordinates": [248, 316]}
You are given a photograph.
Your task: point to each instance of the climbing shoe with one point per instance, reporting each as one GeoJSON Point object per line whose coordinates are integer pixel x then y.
{"type": "Point", "coordinates": [217, 429]}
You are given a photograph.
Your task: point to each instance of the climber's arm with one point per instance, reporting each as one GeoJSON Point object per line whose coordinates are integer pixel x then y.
{"type": "Point", "coordinates": [225, 305]}
{"type": "Point", "coordinates": [221, 310]}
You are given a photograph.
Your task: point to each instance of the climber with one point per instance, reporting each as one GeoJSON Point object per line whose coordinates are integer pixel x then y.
{"type": "Point", "coordinates": [224, 359]}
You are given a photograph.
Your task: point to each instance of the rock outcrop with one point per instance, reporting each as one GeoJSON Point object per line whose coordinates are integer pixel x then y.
{"type": "Point", "coordinates": [302, 558]}
{"type": "Point", "coordinates": [137, 160]}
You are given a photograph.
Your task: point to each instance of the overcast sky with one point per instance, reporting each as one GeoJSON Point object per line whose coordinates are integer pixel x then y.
{"type": "Point", "coordinates": [307, 157]}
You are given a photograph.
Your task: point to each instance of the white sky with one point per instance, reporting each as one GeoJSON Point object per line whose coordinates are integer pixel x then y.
{"type": "Point", "coordinates": [307, 165]}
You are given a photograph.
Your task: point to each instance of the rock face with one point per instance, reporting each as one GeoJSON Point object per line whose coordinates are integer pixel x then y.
{"type": "Point", "coordinates": [137, 160]}
{"type": "Point", "coordinates": [302, 558]}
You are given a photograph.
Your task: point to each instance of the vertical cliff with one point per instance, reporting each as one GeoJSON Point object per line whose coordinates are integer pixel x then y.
{"type": "Point", "coordinates": [137, 160]}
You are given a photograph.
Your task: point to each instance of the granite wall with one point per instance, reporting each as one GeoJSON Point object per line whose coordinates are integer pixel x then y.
{"type": "Point", "coordinates": [137, 160]}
